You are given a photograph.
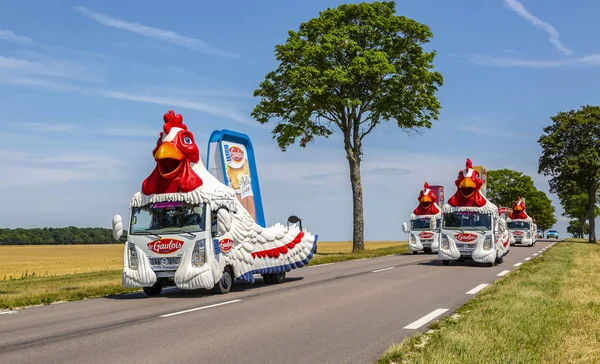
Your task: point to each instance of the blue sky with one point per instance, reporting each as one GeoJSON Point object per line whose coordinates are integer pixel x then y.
{"type": "Point", "coordinates": [84, 85]}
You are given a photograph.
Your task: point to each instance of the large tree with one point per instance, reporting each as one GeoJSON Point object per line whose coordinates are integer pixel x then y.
{"type": "Point", "coordinates": [504, 186]}
{"type": "Point", "coordinates": [574, 202]}
{"type": "Point", "coordinates": [571, 153]}
{"type": "Point", "coordinates": [577, 230]}
{"type": "Point", "coordinates": [349, 70]}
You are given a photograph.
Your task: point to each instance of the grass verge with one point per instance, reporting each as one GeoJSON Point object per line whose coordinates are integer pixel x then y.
{"type": "Point", "coordinates": [42, 289]}
{"type": "Point", "coordinates": [548, 310]}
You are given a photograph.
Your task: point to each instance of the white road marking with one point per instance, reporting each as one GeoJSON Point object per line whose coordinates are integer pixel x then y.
{"type": "Point", "coordinates": [381, 270]}
{"type": "Point", "coordinates": [8, 312]}
{"type": "Point", "coordinates": [534, 254]}
{"type": "Point", "coordinates": [504, 272]}
{"type": "Point", "coordinates": [528, 258]}
{"type": "Point", "coordinates": [540, 251]}
{"type": "Point", "coordinates": [425, 319]}
{"type": "Point", "coordinates": [199, 308]}
{"type": "Point", "coordinates": [478, 288]}
{"type": "Point", "coordinates": [321, 265]}
{"type": "Point", "coordinates": [518, 264]}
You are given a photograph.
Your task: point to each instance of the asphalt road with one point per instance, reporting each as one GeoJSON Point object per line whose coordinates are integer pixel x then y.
{"type": "Point", "coordinates": [348, 312]}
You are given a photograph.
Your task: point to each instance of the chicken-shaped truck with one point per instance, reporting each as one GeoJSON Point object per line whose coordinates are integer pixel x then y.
{"type": "Point", "coordinates": [472, 228]}
{"type": "Point", "coordinates": [188, 229]}
{"type": "Point", "coordinates": [425, 222]}
{"type": "Point", "coordinates": [521, 227]}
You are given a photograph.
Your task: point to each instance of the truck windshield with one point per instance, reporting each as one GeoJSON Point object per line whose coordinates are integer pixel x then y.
{"type": "Point", "coordinates": [168, 218]}
{"type": "Point", "coordinates": [420, 224]}
{"type": "Point", "coordinates": [466, 220]}
{"type": "Point", "coordinates": [518, 225]}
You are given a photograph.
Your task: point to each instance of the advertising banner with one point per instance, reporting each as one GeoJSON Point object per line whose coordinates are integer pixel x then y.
{"type": "Point", "coordinates": [439, 192]}
{"type": "Point", "coordinates": [483, 175]}
{"type": "Point", "coordinates": [231, 160]}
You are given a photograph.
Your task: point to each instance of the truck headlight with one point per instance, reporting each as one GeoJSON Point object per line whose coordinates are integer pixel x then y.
{"type": "Point", "coordinates": [445, 242]}
{"type": "Point", "coordinates": [198, 253]}
{"type": "Point", "coordinates": [133, 257]}
{"type": "Point", "coordinates": [487, 242]}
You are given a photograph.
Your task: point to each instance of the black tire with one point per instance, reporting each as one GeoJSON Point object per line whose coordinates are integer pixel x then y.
{"type": "Point", "coordinates": [225, 283]}
{"type": "Point", "coordinates": [277, 278]}
{"type": "Point", "coordinates": [427, 250]}
{"type": "Point", "coordinates": [415, 252]}
{"type": "Point", "coordinates": [153, 290]}
{"type": "Point", "coordinates": [445, 262]}
{"type": "Point", "coordinates": [267, 278]}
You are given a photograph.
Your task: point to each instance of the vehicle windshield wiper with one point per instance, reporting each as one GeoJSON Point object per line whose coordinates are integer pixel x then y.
{"type": "Point", "coordinates": [188, 233]}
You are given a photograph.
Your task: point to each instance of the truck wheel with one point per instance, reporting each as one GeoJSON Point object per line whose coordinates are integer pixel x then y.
{"type": "Point", "coordinates": [153, 290]}
{"type": "Point", "coordinates": [277, 278]}
{"type": "Point", "coordinates": [445, 262]}
{"type": "Point", "coordinates": [225, 283]}
{"type": "Point", "coordinates": [267, 278]}
{"type": "Point", "coordinates": [415, 252]}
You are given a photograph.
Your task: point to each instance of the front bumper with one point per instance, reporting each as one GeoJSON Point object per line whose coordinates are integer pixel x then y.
{"type": "Point", "coordinates": [478, 254]}
{"type": "Point", "coordinates": [185, 277]}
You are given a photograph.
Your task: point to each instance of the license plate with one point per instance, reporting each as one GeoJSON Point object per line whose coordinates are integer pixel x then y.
{"type": "Point", "coordinates": [165, 274]}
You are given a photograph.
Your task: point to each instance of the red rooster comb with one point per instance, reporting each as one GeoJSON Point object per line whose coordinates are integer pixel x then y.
{"type": "Point", "coordinates": [173, 120]}
{"type": "Point", "coordinates": [426, 186]}
{"type": "Point", "coordinates": [469, 164]}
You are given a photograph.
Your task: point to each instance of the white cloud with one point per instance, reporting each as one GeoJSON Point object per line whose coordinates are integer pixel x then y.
{"type": "Point", "coordinates": [43, 83]}
{"type": "Point", "coordinates": [46, 127]}
{"type": "Point", "coordinates": [160, 34]}
{"type": "Point", "coordinates": [518, 8]}
{"type": "Point", "coordinates": [185, 104]}
{"type": "Point", "coordinates": [50, 167]}
{"type": "Point", "coordinates": [50, 67]}
{"type": "Point", "coordinates": [12, 37]}
{"type": "Point", "coordinates": [492, 131]}
{"type": "Point", "coordinates": [484, 60]}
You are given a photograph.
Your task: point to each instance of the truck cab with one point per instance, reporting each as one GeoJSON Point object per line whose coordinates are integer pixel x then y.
{"type": "Point", "coordinates": [423, 234]}
{"type": "Point", "coordinates": [471, 235]}
{"type": "Point", "coordinates": [521, 232]}
{"type": "Point", "coordinates": [166, 239]}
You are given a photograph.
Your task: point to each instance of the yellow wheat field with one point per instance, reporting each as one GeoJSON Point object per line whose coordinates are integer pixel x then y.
{"type": "Point", "coordinates": [51, 260]}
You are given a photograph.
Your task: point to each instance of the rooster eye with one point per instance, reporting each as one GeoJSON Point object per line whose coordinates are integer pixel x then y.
{"type": "Point", "coordinates": [187, 140]}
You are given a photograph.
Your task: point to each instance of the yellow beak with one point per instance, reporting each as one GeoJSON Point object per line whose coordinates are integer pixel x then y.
{"type": "Point", "coordinates": [169, 160]}
{"type": "Point", "coordinates": [467, 187]}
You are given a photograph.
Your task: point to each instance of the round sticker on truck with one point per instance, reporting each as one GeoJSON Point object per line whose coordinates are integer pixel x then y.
{"type": "Point", "coordinates": [226, 245]}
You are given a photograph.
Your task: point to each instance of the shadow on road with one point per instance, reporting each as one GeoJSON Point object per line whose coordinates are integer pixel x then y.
{"type": "Point", "coordinates": [174, 292]}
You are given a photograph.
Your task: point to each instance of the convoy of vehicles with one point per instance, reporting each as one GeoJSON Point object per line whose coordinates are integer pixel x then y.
{"type": "Point", "coordinates": [472, 228]}
{"type": "Point", "coordinates": [425, 221]}
{"type": "Point", "coordinates": [193, 229]}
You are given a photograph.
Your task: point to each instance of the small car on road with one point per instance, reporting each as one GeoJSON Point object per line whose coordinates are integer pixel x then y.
{"type": "Point", "coordinates": [540, 234]}
{"type": "Point", "coordinates": [552, 234]}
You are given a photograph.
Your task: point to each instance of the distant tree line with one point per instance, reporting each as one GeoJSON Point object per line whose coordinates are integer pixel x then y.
{"type": "Point", "coordinates": [56, 236]}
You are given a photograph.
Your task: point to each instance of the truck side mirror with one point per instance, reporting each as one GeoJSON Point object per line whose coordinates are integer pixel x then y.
{"type": "Point", "coordinates": [117, 227]}
{"type": "Point", "coordinates": [405, 227]}
{"type": "Point", "coordinates": [294, 220]}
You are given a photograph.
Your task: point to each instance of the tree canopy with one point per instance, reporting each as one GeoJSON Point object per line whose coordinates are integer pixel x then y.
{"type": "Point", "coordinates": [67, 235]}
{"type": "Point", "coordinates": [348, 70]}
{"type": "Point", "coordinates": [504, 186]}
{"type": "Point", "coordinates": [571, 155]}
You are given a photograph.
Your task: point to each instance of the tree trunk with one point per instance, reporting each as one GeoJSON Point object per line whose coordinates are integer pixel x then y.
{"type": "Point", "coordinates": [358, 242]}
{"type": "Point", "coordinates": [591, 217]}
{"type": "Point", "coordinates": [582, 227]}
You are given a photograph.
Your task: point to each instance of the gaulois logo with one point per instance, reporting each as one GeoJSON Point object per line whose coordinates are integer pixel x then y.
{"type": "Point", "coordinates": [466, 237]}
{"type": "Point", "coordinates": [165, 246]}
{"type": "Point", "coordinates": [426, 235]}
{"type": "Point", "coordinates": [225, 245]}
{"type": "Point", "coordinates": [518, 233]}
{"type": "Point", "coordinates": [236, 154]}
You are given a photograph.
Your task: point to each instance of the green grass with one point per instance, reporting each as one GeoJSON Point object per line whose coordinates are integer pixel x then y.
{"type": "Point", "coordinates": [36, 289]}
{"type": "Point", "coordinates": [548, 310]}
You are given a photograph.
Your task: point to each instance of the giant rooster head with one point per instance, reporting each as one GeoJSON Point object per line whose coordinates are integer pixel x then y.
{"type": "Point", "coordinates": [469, 185]}
{"type": "Point", "coordinates": [174, 154]}
{"type": "Point", "coordinates": [427, 202]}
{"type": "Point", "coordinates": [518, 210]}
